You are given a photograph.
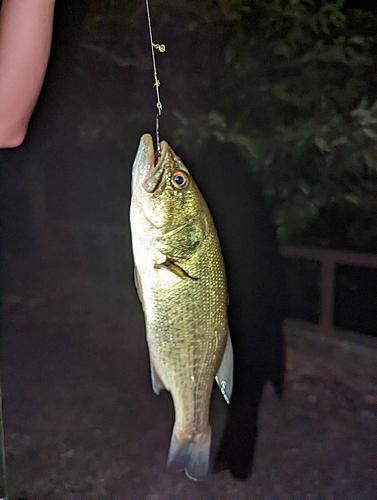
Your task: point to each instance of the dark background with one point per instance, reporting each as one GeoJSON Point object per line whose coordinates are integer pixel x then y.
{"type": "Point", "coordinates": [86, 127]}
{"type": "Point", "coordinates": [76, 368]}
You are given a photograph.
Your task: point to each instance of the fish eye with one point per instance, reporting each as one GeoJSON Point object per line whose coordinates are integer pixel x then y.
{"type": "Point", "coordinates": [180, 180]}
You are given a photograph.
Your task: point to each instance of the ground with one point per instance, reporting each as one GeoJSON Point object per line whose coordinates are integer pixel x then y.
{"type": "Point", "coordinates": [82, 422]}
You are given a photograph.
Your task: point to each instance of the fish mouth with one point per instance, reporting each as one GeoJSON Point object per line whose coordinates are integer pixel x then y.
{"type": "Point", "coordinates": [149, 168]}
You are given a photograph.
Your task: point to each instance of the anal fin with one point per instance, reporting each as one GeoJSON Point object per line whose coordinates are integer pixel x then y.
{"type": "Point", "coordinates": [224, 376]}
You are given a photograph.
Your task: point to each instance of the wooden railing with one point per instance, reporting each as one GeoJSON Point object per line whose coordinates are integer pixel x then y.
{"type": "Point", "coordinates": [328, 260]}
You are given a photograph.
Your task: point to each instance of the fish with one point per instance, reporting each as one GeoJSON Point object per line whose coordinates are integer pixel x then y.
{"type": "Point", "coordinates": [181, 282]}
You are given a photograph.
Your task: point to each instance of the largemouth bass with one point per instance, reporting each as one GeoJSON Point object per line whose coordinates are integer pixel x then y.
{"type": "Point", "coordinates": [181, 282]}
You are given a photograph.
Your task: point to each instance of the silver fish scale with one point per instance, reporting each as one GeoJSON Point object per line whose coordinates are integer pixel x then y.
{"type": "Point", "coordinates": [186, 332]}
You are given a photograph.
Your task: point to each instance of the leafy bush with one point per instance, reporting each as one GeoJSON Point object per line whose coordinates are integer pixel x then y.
{"type": "Point", "coordinates": [290, 83]}
{"type": "Point", "coordinates": [294, 92]}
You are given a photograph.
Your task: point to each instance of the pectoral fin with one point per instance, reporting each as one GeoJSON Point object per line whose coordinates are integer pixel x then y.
{"type": "Point", "coordinates": [157, 384]}
{"type": "Point", "coordinates": [174, 268]}
{"type": "Point", "coordinates": [224, 377]}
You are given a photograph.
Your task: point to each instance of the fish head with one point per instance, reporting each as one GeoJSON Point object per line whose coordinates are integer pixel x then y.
{"type": "Point", "coordinates": [165, 194]}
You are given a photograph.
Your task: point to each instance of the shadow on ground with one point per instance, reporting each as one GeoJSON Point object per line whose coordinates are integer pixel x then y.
{"type": "Point", "coordinates": [82, 421]}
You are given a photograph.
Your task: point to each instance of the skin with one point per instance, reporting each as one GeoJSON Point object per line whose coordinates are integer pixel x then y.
{"type": "Point", "coordinates": [25, 43]}
{"type": "Point", "coordinates": [185, 312]}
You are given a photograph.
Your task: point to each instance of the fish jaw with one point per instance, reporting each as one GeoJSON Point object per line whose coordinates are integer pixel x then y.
{"type": "Point", "coordinates": [146, 173]}
{"type": "Point", "coordinates": [150, 177]}
{"type": "Point", "coordinates": [144, 160]}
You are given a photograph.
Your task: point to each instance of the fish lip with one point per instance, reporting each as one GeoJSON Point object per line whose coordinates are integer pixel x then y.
{"type": "Point", "coordinates": [155, 178]}
{"type": "Point", "coordinates": [144, 154]}
{"type": "Point", "coordinates": [164, 147]}
{"type": "Point", "coordinates": [145, 167]}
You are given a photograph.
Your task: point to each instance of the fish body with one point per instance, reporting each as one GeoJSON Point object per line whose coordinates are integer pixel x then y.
{"type": "Point", "coordinates": [181, 281]}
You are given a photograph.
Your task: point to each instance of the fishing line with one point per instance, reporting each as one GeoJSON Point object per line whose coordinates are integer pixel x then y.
{"type": "Point", "coordinates": [157, 83]}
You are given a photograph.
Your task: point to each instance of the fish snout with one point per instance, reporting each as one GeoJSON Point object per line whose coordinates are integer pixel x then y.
{"type": "Point", "coordinates": [144, 160]}
{"type": "Point", "coordinates": [148, 170]}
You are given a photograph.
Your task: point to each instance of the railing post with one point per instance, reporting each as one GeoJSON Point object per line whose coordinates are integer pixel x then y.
{"type": "Point", "coordinates": [327, 294]}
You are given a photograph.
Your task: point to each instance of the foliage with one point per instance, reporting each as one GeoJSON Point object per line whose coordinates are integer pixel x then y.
{"type": "Point", "coordinates": [296, 97]}
{"type": "Point", "coordinates": [290, 83]}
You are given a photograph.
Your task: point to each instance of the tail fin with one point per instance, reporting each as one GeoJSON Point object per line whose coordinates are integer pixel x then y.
{"type": "Point", "coordinates": [190, 455]}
